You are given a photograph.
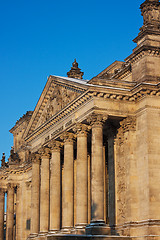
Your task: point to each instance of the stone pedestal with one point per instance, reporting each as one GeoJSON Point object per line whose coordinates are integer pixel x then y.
{"type": "Point", "coordinates": [81, 179]}
{"type": "Point", "coordinates": [55, 186]}
{"type": "Point", "coordinates": [1, 214]}
{"type": "Point", "coordinates": [44, 191]}
{"type": "Point", "coordinates": [35, 194]}
{"type": "Point", "coordinates": [10, 212]}
{"type": "Point", "coordinates": [67, 191]}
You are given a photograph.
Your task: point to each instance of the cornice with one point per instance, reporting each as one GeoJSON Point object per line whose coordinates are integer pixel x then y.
{"type": "Point", "coordinates": [142, 51]}
{"type": "Point", "coordinates": [5, 173]}
{"type": "Point", "coordinates": [133, 94]}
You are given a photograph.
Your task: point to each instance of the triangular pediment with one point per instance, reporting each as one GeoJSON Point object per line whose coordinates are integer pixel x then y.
{"type": "Point", "coordinates": [57, 94]}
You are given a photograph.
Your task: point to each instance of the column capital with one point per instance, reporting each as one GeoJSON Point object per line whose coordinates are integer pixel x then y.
{"type": "Point", "coordinates": [128, 124]}
{"type": "Point", "coordinates": [11, 186]}
{"type": "Point", "coordinates": [96, 119]}
{"type": "Point", "coordinates": [2, 190]}
{"type": "Point", "coordinates": [67, 137]}
{"type": "Point", "coordinates": [44, 152]}
{"type": "Point", "coordinates": [81, 129]}
{"type": "Point", "coordinates": [35, 157]}
{"type": "Point", "coordinates": [55, 145]}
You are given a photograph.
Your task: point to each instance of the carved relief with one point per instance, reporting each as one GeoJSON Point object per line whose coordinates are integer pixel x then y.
{"type": "Point", "coordinates": [14, 157]}
{"type": "Point", "coordinates": [96, 119]}
{"type": "Point", "coordinates": [44, 152]}
{"type": "Point", "coordinates": [55, 145]}
{"type": "Point", "coordinates": [121, 144]}
{"type": "Point", "coordinates": [35, 157]}
{"type": "Point", "coordinates": [81, 129]}
{"type": "Point", "coordinates": [67, 137]}
{"type": "Point", "coordinates": [60, 97]}
{"type": "Point", "coordinates": [150, 11]}
{"type": "Point", "coordinates": [128, 124]}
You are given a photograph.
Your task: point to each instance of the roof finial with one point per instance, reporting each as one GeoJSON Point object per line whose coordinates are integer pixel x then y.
{"type": "Point", "coordinates": [75, 71]}
{"type": "Point", "coordinates": [75, 64]}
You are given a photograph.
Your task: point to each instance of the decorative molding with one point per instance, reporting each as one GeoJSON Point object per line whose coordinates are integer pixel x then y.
{"type": "Point", "coordinates": [11, 186]}
{"type": "Point", "coordinates": [44, 152]}
{"type": "Point", "coordinates": [81, 129]}
{"type": "Point", "coordinates": [2, 190]}
{"type": "Point", "coordinates": [96, 119]}
{"type": "Point", "coordinates": [55, 145]}
{"type": "Point", "coordinates": [67, 137]}
{"type": "Point", "coordinates": [127, 124]}
{"type": "Point", "coordinates": [35, 157]}
{"type": "Point", "coordinates": [58, 96]}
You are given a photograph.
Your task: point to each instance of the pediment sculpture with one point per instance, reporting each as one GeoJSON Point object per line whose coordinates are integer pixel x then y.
{"type": "Point", "coordinates": [59, 98]}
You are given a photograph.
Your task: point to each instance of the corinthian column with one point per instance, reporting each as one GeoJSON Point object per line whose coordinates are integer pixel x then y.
{"type": "Point", "coordinates": [44, 194]}
{"type": "Point", "coordinates": [67, 191]}
{"type": "Point", "coordinates": [97, 176]}
{"type": "Point", "coordinates": [81, 177]}
{"type": "Point", "coordinates": [10, 212]}
{"type": "Point", "coordinates": [1, 214]}
{"type": "Point", "coordinates": [35, 193]}
{"type": "Point", "coordinates": [55, 186]}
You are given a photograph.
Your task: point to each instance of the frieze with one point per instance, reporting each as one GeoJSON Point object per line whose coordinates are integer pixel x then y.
{"type": "Point", "coordinates": [47, 138]}
{"type": "Point", "coordinates": [68, 123]}
{"type": "Point", "coordinates": [57, 131]}
{"type": "Point", "coordinates": [136, 94]}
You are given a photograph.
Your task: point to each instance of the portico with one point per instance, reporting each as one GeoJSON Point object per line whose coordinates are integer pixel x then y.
{"type": "Point", "coordinates": [85, 163]}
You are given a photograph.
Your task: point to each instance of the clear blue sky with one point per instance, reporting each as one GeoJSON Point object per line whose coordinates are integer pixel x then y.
{"type": "Point", "coordinates": [39, 38]}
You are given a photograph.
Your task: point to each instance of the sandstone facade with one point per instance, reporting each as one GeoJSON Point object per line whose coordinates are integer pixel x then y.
{"type": "Point", "coordinates": [86, 163]}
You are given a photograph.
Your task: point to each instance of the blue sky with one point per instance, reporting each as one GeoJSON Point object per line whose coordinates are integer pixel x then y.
{"type": "Point", "coordinates": [39, 38]}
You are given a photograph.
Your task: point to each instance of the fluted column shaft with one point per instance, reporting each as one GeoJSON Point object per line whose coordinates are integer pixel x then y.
{"type": "Point", "coordinates": [67, 205]}
{"type": "Point", "coordinates": [97, 167]}
{"type": "Point", "coordinates": [35, 193]}
{"type": "Point", "coordinates": [55, 186]}
{"type": "Point", "coordinates": [81, 176]}
{"type": "Point", "coordinates": [10, 212]}
{"type": "Point", "coordinates": [97, 173]}
{"type": "Point", "coordinates": [1, 214]}
{"type": "Point", "coordinates": [44, 194]}
{"type": "Point", "coordinates": [18, 213]}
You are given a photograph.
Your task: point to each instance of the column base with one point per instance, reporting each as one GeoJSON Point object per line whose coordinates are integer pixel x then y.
{"type": "Point", "coordinates": [98, 228]}
{"type": "Point", "coordinates": [33, 235]}
{"type": "Point", "coordinates": [66, 230]}
{"type": "Point", "coordinates": [80, 229]}
{"type": "Point", "coordinates": [54, 231]}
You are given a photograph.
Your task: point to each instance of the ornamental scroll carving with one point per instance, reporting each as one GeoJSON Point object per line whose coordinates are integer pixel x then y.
{"type": "Point", "coordinates": [121, 145]}
{"type": "Point", "coordinates": [59, 98]}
